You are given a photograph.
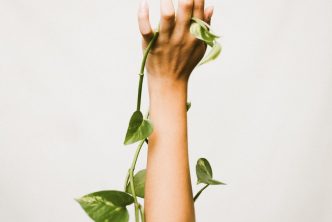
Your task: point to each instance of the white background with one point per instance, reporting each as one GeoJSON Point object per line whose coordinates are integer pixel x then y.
{"type": "Point", "coordinates": [262, 113]}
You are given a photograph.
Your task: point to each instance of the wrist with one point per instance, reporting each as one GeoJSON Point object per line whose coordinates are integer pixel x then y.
{"type": "Point", "coordinates": [166, 85]}
{"type": "Point", "coordinates": [167, 94]}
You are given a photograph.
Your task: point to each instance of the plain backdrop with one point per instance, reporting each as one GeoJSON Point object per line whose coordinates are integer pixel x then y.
{"type": "Point", "coordinates": [261, 113]}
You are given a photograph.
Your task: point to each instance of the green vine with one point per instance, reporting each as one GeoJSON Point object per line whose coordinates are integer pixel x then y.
{"type": "Point", "coordinates": [111, 205]}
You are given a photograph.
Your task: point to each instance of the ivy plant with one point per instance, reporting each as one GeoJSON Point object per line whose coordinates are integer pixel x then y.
{"type": "Point", "coordinates": [111, 205]}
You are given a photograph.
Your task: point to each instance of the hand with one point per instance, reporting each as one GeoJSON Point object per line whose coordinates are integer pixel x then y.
{"type": "Point", "coordinates": [176, 51]}
{"type": "Point", "coordinates": [169, 65]}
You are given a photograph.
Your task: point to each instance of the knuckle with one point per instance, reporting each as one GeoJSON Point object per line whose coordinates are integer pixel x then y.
{"type": "Point", "coordinates": [146, 34]}
{"type": "Point", "coordinates": [168, 15]}
{"type": "Point", "coordinates": [178, 41]}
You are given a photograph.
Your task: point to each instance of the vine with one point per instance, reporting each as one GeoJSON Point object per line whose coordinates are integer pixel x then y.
{"type": "Point", "coordinates": [111, 205]}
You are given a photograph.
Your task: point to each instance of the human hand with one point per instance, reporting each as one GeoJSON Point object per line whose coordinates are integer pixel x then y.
{"type": "Point", "coordinates": [176, 52]}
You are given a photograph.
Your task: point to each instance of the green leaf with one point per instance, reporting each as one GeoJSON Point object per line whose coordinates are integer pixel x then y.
{"type": "Point", "coordinates": [204, 173]}
{"type": "Point", "coordinates": [139, 184]}
{"type": "Point", "coordinates": [213, 54]}
{"type": "Point", "coordinates": [107, 206]}
{"type": "Point", "coordinates": [138, 129]}
{"type": "Point", "coordinates": [201, 23]}
{"type": "Point", "coordinates": [204, 25]}
{"type": "Point", "coordinates": [199, 32]}
{"type": "Point", "coordinates": [188, 105]}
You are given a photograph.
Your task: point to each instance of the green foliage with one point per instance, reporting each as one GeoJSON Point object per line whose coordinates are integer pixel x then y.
{"type": "Point", "coordinates": [107, 206]}
{"type": "Point", "coordinates": [139, 184]}
{"type": "Point", "coordinates": [204, 173]}
{"type": "Point", "coordinates": [201, 30]}
{"type": "Point", "coordinates": [202, 23]}
{"type": "Point", "coordinates": [213, 54]}
{"type": "Point", "coordinates": [138, 129]}
{"type": "Point", "coordinates": [111, 206]}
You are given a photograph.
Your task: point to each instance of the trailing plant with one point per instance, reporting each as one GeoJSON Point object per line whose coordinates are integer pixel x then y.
{"type": "Point", "coordinates": [111, 205]}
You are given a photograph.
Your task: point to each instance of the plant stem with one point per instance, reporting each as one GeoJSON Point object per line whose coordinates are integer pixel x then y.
{"type": "Point", "coordinates": [133, 165]}
{"type": "Point", "coordinates": [126, 181]}
{"type": "Point", "coordinates": [141, 210]}
{"type": "Point", "coordinates": [199, 192]}
{"type": "Point", "coordinates": [138, 150]}
{"type": "Point", "coordinates": [130, 177]}
{"type": "Point", "coordinates": [136, 204]}
{"type": "Point", "coordinates": [141, 73]}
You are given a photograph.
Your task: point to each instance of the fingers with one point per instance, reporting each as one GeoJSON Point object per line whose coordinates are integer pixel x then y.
{"type": "Point", "coordinates": [144, 21]}
{"type": "Point", "coordinates": [167, 12]}
{"type": "Point", "coordinates": [198, 11]}
{"type": "Point", "coordinates": [184, 14]}
{"type": "Point", "coordinates": [208, 14]}
{"type": "Point", "coordinates": [186, 9]}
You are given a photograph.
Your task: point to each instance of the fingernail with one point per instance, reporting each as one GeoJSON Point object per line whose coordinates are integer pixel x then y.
{"type": "Point", "coordinates": [144, 4]}
{"type": "Point", "coordinates": [143, 7]}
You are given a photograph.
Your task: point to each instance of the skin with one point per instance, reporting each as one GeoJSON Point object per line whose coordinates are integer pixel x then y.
{"type": "Point", "coordinates": [168, 191]}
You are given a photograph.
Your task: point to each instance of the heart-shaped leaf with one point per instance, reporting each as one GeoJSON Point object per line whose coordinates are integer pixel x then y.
{"type": "Point", "coordinates": [107, 206]}
{"type": "Point", "coordinates": [204, 173]}
{"type": "Point", "coordinates": [139, 184]}
{"type": "Point", "coordinates": [199, 32]}
{"type": "Point", "coordinates": [213, 54]}
{"type": "Point", "coordinates": [138, 129]}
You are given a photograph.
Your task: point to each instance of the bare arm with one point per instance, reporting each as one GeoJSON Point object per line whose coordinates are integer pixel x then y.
{"type": "Point", "coordinates": [168, 195]}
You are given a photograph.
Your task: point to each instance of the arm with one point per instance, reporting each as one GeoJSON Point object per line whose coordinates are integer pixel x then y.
{"type": "Point", "coordinates": [168, 195]}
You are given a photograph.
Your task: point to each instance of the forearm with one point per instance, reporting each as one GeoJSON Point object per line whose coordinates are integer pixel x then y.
{"type": "Point", "coordinates": [175, 54]}
{"type": "Point", "coordinates": [168, 184]}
